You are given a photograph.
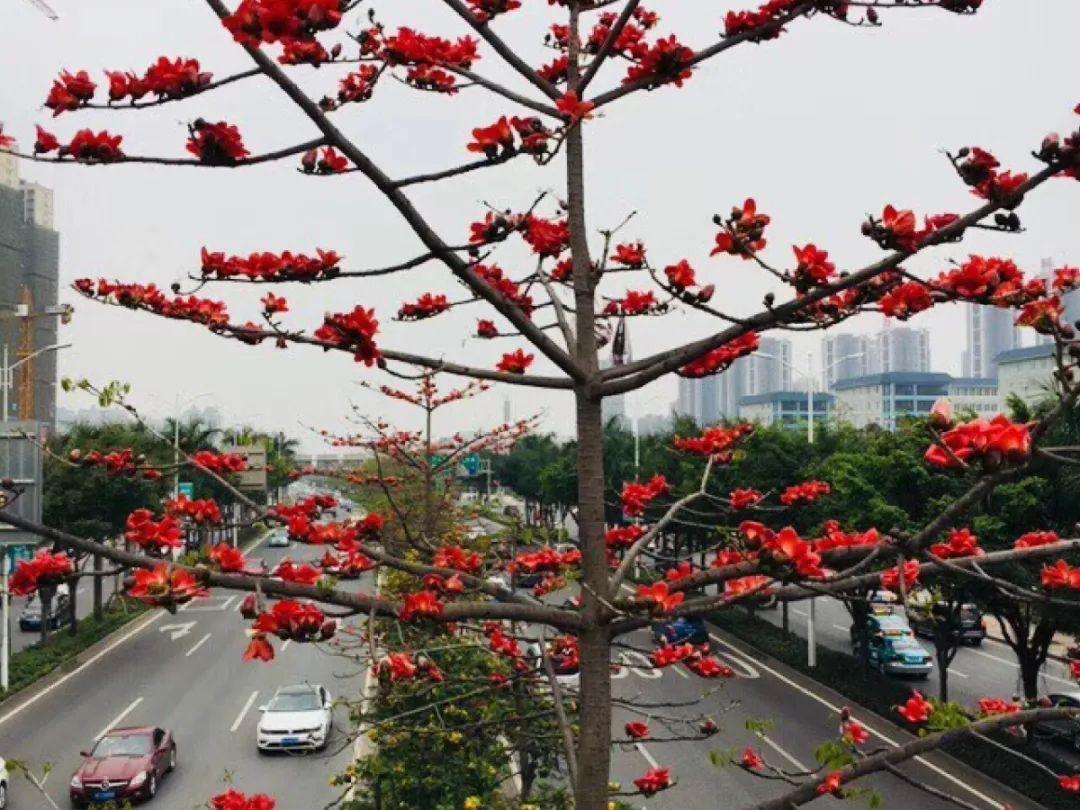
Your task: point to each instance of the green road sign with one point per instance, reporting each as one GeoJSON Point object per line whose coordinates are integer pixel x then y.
{"type": "Point", "coordinates": [187, 489]}
{"type": "Point", "coordinates": [472, 464]}
{"type": "Point", "coordinates": [16, 553]}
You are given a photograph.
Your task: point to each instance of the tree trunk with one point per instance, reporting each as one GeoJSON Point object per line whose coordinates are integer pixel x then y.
{"type": "Point", "coordinates": [45, 595]}
{"type": "Point", "coordinates": [1029, 674]}
{"type": "Point", "coordinates": [98, 612]}
{"type": "Point", "coordinates": [943, 675]}
{"type": "Point", "coordinates": [73, 597]}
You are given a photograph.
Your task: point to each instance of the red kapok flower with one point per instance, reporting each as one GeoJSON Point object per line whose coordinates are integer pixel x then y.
{"type": "Point", "coordinates": [217, 144]}
{"type": "Point", "coordinates": [751, 760]}
{"type": "Point", "coordinates": [830, 785]}
{"type": "Point", "coordinates": [660, 596]}
{"type": "Point", "coordinates": [655, 780]}
{"type": "Point", "coordinates": [637, 730]}
{"type": "Point", "coordinates": [515, 362]}
{"type": "Point", "coordinates": [917, 710]}
{"type": "Point", "coordinates": [423, 604]}
{"type": "Point", "coordinates": [890, 579]}
{"type": "Point", "coordinates": [574, 109]}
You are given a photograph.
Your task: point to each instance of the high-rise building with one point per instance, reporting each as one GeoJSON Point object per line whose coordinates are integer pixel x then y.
{"type": "Point", "coordinates": [990, 331]}
{"type": "Point", "coordinates": [768, 369]}
{"type": "Point", "coordinates": [844, 356]}
{"type": "Point", "coordinates": [899, 349]}
{"type": "Point", "coordinates": [708, 400]}
{"type": "Point", "coordinates": [29, 278]}
{"type": "Point", "coordinates": [615, 407]}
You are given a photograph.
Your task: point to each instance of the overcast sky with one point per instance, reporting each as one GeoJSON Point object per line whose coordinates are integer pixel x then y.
{"type": "Point", "coordinates": [827, 124]}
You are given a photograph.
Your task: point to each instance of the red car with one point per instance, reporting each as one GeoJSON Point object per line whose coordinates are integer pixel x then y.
{"type": "Point", "coordinates": [126, 763]}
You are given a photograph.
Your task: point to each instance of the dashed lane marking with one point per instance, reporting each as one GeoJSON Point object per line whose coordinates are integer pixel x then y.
{"type": "Point", "coordinates": [116, 720]}
{"type": "Point", "coordinates": [243, 712]}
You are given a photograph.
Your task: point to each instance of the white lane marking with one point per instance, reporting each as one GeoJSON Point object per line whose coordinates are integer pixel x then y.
{"type": "Point", "coordinates": [243, 712]}
{"type": "Point", "coordinates": [957, 673]}
{"type": "Point", "coordinates": [198, 644]}
{"type": "Point", "coordinates": [813, 696]}
{"type": "Point", "coordinates": [646, 670]}
{"type": "Point", "coordinates": [751, 673]}
{"type": "Point", "coordinates": [178, 630]}
{"type": "Point", "coordinates": [641, 749]}
{"type": "Point", "coordinates": [678, 671]}
{"type": "Point", "coordinates": [116, 720]}
{"type": "Point", "coordinates": [841, 627]}
{"type": "Point", "coordinates": [229, 601]}
{"type": "Point", "coordinates": [783, 753]}
{"type": "Point", "coordinates": [798, 612]}
{"type": "Point", "coordinates": [96, 657]}
{"type": "Point", "coordinates": [239, 605]}
{"type": "Point", "coordinates": [285, 646]}
{"type": "Point", "coordinates": [1015, 665]}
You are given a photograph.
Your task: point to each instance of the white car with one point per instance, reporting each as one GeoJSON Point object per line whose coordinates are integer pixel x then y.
{"type": "Point", "coordinates": [296, 718]}
{"type": "Point", "coordinates": [279, 538]}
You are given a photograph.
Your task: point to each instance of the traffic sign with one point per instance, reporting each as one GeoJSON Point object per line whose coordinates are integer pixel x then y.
{"type": "Point", "coordinates": [472, 464]}
{"type": "Point", "coordinates": [187, 489]}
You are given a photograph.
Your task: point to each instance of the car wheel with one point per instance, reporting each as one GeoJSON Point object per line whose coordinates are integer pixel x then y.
{"type": "Point", "coordinates": [3, 795]}
{"type": "Point", "coordinates": [977, 642]}
{"type": "Point", "coordinates": [151, 786]}
{"type": "Point", "coordinates": [172, 759]}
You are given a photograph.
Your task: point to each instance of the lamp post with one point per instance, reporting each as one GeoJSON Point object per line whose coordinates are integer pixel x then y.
{"type": "Point", "coordinates": [807, 372]}
{"type": "Point", "coordinates": [8, 371]}
{"type": "Point", "coordinates": [187, 403]}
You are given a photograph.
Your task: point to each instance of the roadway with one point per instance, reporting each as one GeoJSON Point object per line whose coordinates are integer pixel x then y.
{"type": "Point", "coordinates": [800, 713]}
{"type": "Point", "coordinates": [184, 672]}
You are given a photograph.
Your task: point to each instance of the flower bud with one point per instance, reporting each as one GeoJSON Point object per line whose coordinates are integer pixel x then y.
{"type": "Point", "coordinates": [941, 415]}
{"type": "Point", "coordinates": [249, 608]}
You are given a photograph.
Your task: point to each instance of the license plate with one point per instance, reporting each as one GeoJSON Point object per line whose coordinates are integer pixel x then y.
{"type": "Point", "coordinates": [104, 795]}
{"type": "Point", "coordinates": [290, 741]}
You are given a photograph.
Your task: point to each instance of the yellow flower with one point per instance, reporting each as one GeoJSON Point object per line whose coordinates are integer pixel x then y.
{"type": "Point", "coordinates": [472, 803]}
{"type": "Point", "coordinates": [455, 737]}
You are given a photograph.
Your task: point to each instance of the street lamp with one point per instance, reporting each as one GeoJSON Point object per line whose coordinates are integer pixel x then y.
{"type": "Point", "coordinates": [188, 402]}
{"type": "Point", "coordinates": [807, 372]}
{"type": "Point", "coordinates": [8, 371]}
{"type": "Point", "coordinates": [811, 380]}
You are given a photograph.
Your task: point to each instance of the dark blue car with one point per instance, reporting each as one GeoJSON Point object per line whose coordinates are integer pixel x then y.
{"type": "Point", "coordinates": [681, 630]}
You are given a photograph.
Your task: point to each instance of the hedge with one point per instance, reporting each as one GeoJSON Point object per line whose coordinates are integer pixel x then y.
{"type": "Point", "coordinates": [847, 675]}
{"type": "Point", "coordinates": [36, 661]}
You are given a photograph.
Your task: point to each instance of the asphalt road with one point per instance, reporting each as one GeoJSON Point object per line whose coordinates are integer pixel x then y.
{"type": "Point", "coordinates": [84, 606]}
{"type": "Point", "coordinates": [184, 672]}
{"type": "Point", "coordinates": [801, 713]}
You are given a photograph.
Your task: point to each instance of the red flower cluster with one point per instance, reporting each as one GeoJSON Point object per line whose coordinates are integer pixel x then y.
{"type": "Point", "coordinates": [751, 760]}
{"type": "Point", "coordinates": [637, 730]}
{"type": "Point", "coordinates": [44, 568]}
{"type": "Point", "coordinates": [486, 10]}
{"type": "Point", "coordinates": [763, 24]}
{"type": "Point", "coordinates": [660, 597]}
{"type": "Point", "coordinates": [148, 297]}
{"type": "Point", "coordinates": [635, 497]}
{"type": "Point", "coordinates": [831, 785]}
{"type": "Point", "coordinates": [515, 362]}
{"type": "Point", "coordinates": [788, 548]}
{"type": "Point", "coordinates": [630, 254]}
{"type": "Point", "coordinates": [745, 499]}
{"type": "Point", "coordinates": [890, 579]}
{"type": "Point", "coordinates": [468, 562]}
{"type": "Point", "coordinates": [235, 800]}
{"type": "Point", "coordinates": [574, 109]}
{"type": "Point", "coordinates": [623, 536]}
{"type": "Point", "coordinates": [995, 441]}
{"type": "Point", "coordinates": [90, 147]}
{"type": "Point", "coordinates": [744, 586]}
{"type": "Point", "coordinates": [812, 269]}
{"type": "Point", "coordinates": [409, 47]}
{"type": "Point", "coordinates": [655, 780]}
{"type": "Point", "coordinates": [682, 279]}
{"type": "Point", "coordinates": [1036, 539]}
{"type": "Point", "coordinates": [991, 707]}
{"type": "Point", "coordinates": [906, 300]}
{"type": "Point", "coordinates": [257, 21]}
{"type": "Point", "coordinates": [743, 233]}
{"type": "Point", "coordinates": [217, 144]}
{"type": "Point", "coordinates": [835, 537]}
{"type": "Point", "coordinates": [1043, 315]}
{"type": "Point", "coordinates": [962, 543]}
{"type": "Point", "coordinates": [158, 536]}
{"type": "Point", "coordinates": [510, 135]}
{"type": "Point", "coordinates": [166, 78]}
{"type": "Point", "coordinates": [354, 331]}
{"type": "Point", "coordinates": [118, 462]}
{"type": "Point", "coordinates": [546, 559]}
{"type": "Point", "coordinates": [804, 493]}
{"type": "Point", "coordinates": [285, 266]}
{"type": "Point", "coordinates": [510, 290]}
{"type": "Point", "coordinates": [494, 228]}
{"type": "Point", "coordinates": [199, 510]}
{"type": "Point", "coordinates": [916, 710]}
{"type": "Point", "coordinates": [289, 620]}
{"type": "Point", "coordinates": [70, 92]}
{"type": "Point", "coordinates": [634, 302]}
{"type": "Point", "coordinates": [1060, 576]}
{"type": "Point", "coordinates": [227, 558]}
{"type": "Point", "coordinates": [7, 142]}
{"type": "Point", "coordinates": [423, 604]}
{"type": "Point", "coordinates": [667, 61]}
{"type": "Point", "coordinates": [165, 586]}
{"type": "Point", "coordinates": [720, 359]}
{"type": "Point", "coordinates": [486, 329]}
{"type": "Point", "coordinates": [426, 306]}
{"type": "Point", "coordinates": [330, 162]}
{"type": "Point", "coordinates": [715, 442]}
{"type": "Point", "coordinates": [304, 574]}
{"type": "Point", "coordinates": [220, 463]}
{"type": "Point", "coordinates": [546, 237]}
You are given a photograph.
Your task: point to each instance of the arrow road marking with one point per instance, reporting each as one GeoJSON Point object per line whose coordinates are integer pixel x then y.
{"type": "Point", "coordinates": [116, 720]}
{"type": "Point", "coordinates": [179, 630]}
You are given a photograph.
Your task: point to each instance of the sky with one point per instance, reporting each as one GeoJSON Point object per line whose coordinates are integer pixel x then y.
{"type": "Point", "coordinates": [822, 127]}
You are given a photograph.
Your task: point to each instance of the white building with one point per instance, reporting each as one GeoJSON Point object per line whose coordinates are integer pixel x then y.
{"type": "Point", "coordinates": [1026, 372]}
{"type": "Point", "coordinates": [768, 369]}
{"type": "Point", "coordinates": [789, 408]}
{"type": "Point", "coordinates": [978, 395]}
{"type": "Point", "coordinates": [844, 356]}
{"type": "Point", "coordinates": [887, 399]}
{"type": "Point", "coordinates": [990, 331]}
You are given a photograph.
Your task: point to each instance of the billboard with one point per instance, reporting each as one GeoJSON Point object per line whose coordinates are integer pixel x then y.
{"type": "Point", "coordinates": [253, 479]}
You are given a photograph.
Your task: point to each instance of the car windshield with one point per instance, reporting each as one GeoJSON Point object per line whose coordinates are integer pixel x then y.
{"type": "Point", "coordinates": [294, 702]}
{"type": "Point", "coordinates": [128, 745]}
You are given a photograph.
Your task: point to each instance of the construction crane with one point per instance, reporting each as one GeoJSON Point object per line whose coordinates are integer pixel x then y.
{"type": "Point", "coordinates": [28, 315]}
{"type": "Point", "coordinates": [45, 9]}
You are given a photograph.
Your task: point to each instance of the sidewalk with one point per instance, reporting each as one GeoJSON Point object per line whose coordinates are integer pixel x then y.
{"type": "Point", "coordinates": [1058, 647]}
